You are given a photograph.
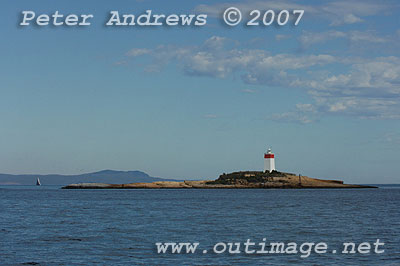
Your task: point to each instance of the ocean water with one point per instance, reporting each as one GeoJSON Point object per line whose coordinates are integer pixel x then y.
{"type": "Point", "coordinates": [49, 226]}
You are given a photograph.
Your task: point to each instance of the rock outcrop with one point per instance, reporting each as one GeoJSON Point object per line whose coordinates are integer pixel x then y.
{"type": "Point", "coordinates": [233, 180]}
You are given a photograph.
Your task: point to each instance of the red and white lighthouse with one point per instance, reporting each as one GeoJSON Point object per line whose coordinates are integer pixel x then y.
{"type": "Point", "coordinates": [269, 161]}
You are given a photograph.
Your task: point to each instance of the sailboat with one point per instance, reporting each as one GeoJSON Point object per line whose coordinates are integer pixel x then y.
{"type": "Point", "coordinates": [38, 182]}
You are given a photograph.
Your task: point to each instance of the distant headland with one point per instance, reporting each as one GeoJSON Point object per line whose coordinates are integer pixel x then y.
{"type": "Point", "coordinates": [104, 176]}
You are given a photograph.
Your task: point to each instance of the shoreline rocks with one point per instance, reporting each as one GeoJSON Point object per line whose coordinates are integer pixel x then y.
{"type": "Point", "coordinates": [235, 181]}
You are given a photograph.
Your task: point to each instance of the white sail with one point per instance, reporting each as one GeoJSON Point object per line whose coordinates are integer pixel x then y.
{"type": "Point", "coordinates": [38, 182]}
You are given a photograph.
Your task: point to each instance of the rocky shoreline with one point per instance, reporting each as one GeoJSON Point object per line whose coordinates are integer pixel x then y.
{"type": "Point", "coordinates": [237, 180]}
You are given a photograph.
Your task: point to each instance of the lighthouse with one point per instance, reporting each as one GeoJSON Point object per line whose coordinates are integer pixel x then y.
{"type": "Point", "coordinates": [269, 161]}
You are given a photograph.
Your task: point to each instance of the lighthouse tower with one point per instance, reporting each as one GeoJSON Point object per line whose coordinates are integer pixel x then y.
{"type": "Point", "coordinates": [269, 161]}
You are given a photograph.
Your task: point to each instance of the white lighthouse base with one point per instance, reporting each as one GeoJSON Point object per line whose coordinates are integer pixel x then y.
{"type": "Point", "coordinates": [269, 165]}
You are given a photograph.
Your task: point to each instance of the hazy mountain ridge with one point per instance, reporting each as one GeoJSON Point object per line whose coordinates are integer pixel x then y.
{"type": "Point", "coordinates": [104, 176]}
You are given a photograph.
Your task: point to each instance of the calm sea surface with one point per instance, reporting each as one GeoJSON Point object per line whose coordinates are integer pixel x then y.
{"type": "Point", "coordinates": [49, 226]}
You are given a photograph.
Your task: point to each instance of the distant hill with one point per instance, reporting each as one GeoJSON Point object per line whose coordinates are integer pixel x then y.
{"type": "Point", "coordinates": [105, 176]}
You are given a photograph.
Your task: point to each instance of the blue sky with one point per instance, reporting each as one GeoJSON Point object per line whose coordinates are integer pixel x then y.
{"type": "Point", "coordinates": [191, 103]}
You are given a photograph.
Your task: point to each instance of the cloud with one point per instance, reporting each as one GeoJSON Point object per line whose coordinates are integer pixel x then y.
{"type": "Point", "coordinates": [348, 19]}
{"type": "Point", "coordinates": [369, 77]}
{"type": "Point", "coordinates": [337, 12]}
{"type": "Point", "coordinates": [209, 59]}
{"type": "Point", "coordinates": [119, 63]}
{"type": "Point", "coordinates": [350, 12]}
{"type": "Point", "coordinates": [364, 108]}
{"type": "Point", "coordinates": [138, 52]}
{"type": "Point", "coordinates": [370, 89]}
{"type": "Point", "coordinates": [290, 117]}
{"type": "Point", "coordinates": [365, 36]}
{"type": "Point", "coordinates": [360, 87]}
{"type": "Point", "coordinates": [304, 114]}
{"type": "Point", "coordinates": [281, 37]}
{"type": "Point", "coordinates": [308, 39]}
{"type": "Point", "coordinates": [215, 42]}
{"type": "Point", "coordinates": [305, 107]}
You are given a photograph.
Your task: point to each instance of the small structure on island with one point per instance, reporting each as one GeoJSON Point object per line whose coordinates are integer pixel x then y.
{"type": "Point", "coordinates": [269, 161]}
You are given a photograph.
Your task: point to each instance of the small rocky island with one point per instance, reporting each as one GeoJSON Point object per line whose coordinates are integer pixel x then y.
{"type": "Point", "coordinates": [235, 180]}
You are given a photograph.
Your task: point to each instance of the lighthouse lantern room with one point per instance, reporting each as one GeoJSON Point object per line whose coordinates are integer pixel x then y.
{"type": "Point", "coordinates": [269, 161]}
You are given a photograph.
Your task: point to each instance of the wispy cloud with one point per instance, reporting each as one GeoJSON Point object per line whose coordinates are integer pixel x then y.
{"type": "Point", "coordinates": [119, 63]}
{"type": "Point", "coordinates": [308, 39]}
{"type": "Point", "coordinates": [364, 87]}
{"type": "Point", "coordinates": [350, 12]}
{"type": "Point", "coordinates": [304, 114]}
{"type": "Point", "coordinates": [281, 37]}
{"type": "Point", "coordinates": [138, 52]}
{"type": "Point", "coordinates": [291, 117]}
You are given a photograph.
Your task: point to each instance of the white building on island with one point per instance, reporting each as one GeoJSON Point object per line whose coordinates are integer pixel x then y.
{"type": "Point", "coordinates": [269, 161]}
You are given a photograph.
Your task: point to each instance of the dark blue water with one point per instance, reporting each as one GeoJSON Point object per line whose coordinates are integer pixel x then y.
{"type": "Point", "coordinates": [120, 227]}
